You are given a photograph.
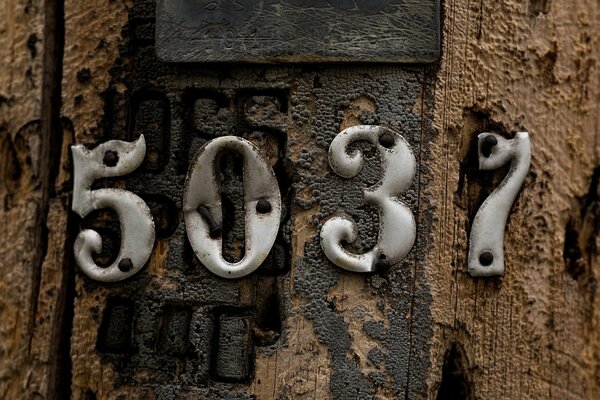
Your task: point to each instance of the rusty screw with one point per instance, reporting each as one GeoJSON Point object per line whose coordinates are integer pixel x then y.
{"type": "Point", "coordinates": [263, 206]}
{"type": "Point", "coordinates": [214, 229]}
{"type": "Point", "coordinates": [386, 140]}
{"type": "Point", "coordinates": [111, 158]}
{"type": "Point", "coordinates": [125, 265]}
{"type": "Point", "coordinates": [486, 258]}
{"type": "Point", "coordinates": [488, 143]}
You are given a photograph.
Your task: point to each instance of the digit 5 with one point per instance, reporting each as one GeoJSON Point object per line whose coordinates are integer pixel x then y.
{"type": "Point", "coordinates": [113, 158]}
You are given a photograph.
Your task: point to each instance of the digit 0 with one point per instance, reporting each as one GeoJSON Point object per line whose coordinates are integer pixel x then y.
{"type": "Point", "coordinates": [202, 207]}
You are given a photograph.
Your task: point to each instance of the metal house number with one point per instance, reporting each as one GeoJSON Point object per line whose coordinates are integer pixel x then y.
{"type": "Point", "coordinates": [203, 212]}
{"type": "Point", "coordinates": [486, 252]}
{"type": "Point", "coordinates": [397, 229]}
{"type": "Point", "coordinates": [202, 208]}
{"type": "Point", "coordinates": [113, 158]}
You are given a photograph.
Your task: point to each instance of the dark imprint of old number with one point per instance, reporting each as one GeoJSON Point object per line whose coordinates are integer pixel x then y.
{"type": "Point", "coordinates": [404, 31]}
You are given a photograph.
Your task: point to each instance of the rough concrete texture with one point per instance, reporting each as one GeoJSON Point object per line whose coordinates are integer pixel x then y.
{"type": "Point", "coordinates": [299, 327]}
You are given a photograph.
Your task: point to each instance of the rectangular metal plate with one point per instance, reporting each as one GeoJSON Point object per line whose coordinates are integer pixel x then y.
{"type": "Point", "coordinates": [263, 31]}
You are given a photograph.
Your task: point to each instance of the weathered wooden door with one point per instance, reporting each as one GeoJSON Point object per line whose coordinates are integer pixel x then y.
{"type": "Point", "coordinates": [299, 327]}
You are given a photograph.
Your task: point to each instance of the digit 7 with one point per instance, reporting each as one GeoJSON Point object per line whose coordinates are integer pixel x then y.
{"type": "Point", "coordinates": [486, 243]}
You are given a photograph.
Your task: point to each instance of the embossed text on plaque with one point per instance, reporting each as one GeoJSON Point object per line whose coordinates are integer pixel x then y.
{"type": "Point", "coordinates": [265, 31]}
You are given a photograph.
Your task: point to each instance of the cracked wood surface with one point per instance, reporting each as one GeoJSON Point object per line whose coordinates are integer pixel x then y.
{"type": "Point", "coordinates": [505, 66]}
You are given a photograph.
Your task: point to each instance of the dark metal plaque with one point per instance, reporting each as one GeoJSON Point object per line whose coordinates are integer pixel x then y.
{"type": "Point", "coordinates": [404, 31]}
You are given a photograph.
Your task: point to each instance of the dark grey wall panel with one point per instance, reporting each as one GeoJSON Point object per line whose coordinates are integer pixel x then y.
{"type": "Point", "coordinates": [404, 31]}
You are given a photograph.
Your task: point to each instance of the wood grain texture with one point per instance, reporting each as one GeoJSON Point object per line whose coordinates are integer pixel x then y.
{"type": "Point", "coordinates": [34, 202]}
{"type": "Point", "coordinates": [425, 330]}
{"type": "Point", "coordinates": [20, 111]}
{"type": "Point", "coordinates": [510, 66]}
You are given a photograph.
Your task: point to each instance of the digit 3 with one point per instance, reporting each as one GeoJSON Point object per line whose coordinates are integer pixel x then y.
{"type": "Point", "coordinates": [397, 230]}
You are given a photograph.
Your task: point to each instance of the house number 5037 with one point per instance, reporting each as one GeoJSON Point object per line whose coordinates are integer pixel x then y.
{"type": "Point", "coordinates": [203, 212]}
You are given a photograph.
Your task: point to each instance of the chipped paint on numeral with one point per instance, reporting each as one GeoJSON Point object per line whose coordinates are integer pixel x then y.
{"type": "Point", "coordinates": [397, 229]}
{"type": "Point", "coordinates": [110, 159]}
{"type": "Point", "coordinates": [486, 244]}
{"type": "Point", "coordinates": [203, 213]}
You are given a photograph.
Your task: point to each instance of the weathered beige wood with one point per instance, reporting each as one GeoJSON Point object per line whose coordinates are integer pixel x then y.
{"type": "Point", "coordinates": [21, 98]}
{"type": "Point", "coordinates": [520, 65]}
{"type": "Point", "coordinates": [34, 204]}
{"type": "Point", "coordinates": [506, 66]}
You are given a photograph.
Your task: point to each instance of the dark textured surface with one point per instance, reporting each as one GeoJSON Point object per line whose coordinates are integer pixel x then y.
{"type": "Point", "coordinates": [115, 331]}
{"type": "Point", "coordinates": [233, 361]}
{"type": "Point", "coordinates": [192, 333]}
{"type": "Point", "coordinates": [298, 30]}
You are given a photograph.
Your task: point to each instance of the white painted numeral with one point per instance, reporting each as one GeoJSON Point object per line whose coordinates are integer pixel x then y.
{"type": "Point", "coordinates": [203, 213]}
{"type": "Point", "coordinates": [486, 244]}
{"type": "Point", "coordinates": [113, 158]}
{"type": "Point", "coordinates": [397, 228]}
